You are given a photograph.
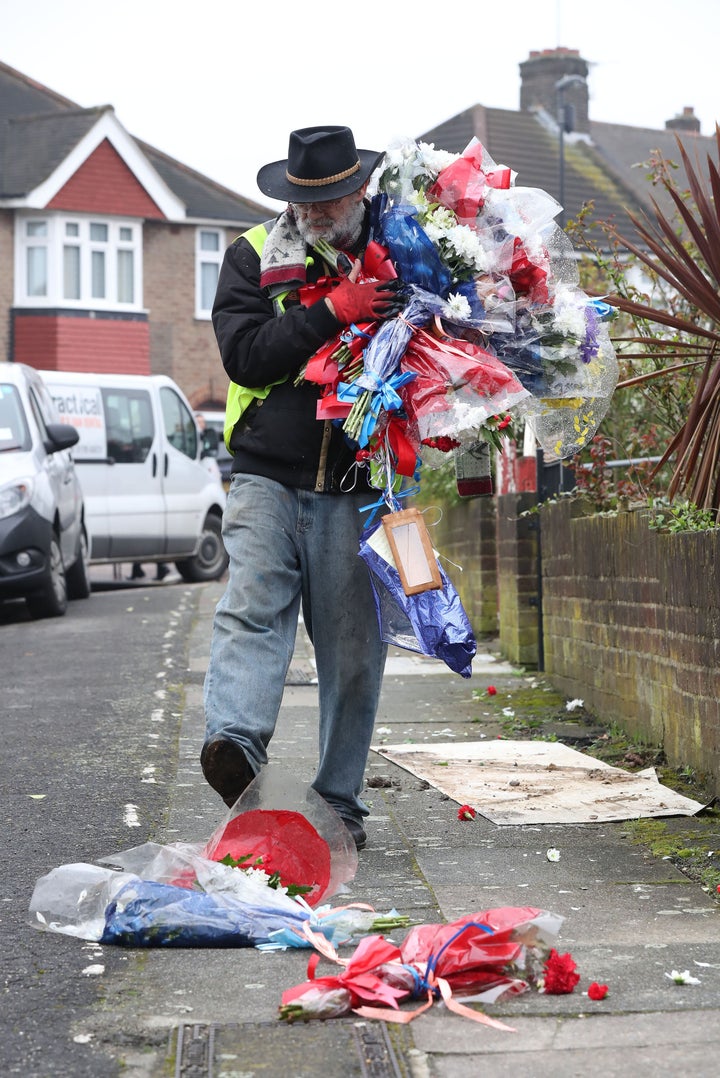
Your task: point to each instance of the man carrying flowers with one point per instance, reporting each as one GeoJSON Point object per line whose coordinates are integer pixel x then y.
{"type": "Point", "coordinates": [292, 522]}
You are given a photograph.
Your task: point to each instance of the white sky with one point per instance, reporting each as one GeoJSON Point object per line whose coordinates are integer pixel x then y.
{"type": "Point", "coordinates": [219, 84]}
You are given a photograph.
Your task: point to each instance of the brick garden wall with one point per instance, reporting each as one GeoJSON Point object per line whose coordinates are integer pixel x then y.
{"type": "Point", "coordinates": [631, 617]}
{"type": "Point", "coordinates": [465, 537]}
{"type": "Point", "coordinates": [631, 623]}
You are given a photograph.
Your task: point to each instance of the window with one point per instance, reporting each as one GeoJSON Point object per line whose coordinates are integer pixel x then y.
{"type": "Point", "coordinates": [208, 259]}
{"type": "Point", "coordinates": [179, 423]}
{"type": "Point", "coordinates": [78, 261]}
{"type": "Point", "coordinates": [129, 424]}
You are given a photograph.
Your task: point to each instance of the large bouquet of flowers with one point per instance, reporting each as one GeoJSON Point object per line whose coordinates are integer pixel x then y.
{"type": "Point", "coordinates": [495, 323]}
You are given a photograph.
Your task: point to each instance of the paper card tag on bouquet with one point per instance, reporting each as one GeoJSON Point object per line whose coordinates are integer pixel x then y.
{"type": "Point", "coordinates": [414, 557]}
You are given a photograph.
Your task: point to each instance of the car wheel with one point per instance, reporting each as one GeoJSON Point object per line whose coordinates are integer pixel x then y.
{"type": "Point", "coordinates": [78, 575]}
{"type": "Point", "coordinates": [50, 601]}
{"type": "Point", "coordinates": [211, 560]}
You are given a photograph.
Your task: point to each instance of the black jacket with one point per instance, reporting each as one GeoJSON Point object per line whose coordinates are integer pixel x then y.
{"type": "Point", "coordinates": [279, 437]}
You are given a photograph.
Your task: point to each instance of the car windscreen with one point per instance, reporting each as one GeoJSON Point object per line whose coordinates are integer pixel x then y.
{"type": "Point", "coordinates": [14, 431]}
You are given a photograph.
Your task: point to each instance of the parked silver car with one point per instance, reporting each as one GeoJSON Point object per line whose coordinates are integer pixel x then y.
{"type": "Point", "coordinates": [43, 541]}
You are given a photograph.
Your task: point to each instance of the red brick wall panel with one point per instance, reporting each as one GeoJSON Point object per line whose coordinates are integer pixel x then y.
{"type": "Point", "coordinates": [69, 343]}
{"type": "Point", "coordinates": [104, 184]}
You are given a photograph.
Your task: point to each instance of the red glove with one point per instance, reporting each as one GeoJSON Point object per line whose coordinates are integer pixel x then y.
{"type": "Point", "coordinates": [369, 301]}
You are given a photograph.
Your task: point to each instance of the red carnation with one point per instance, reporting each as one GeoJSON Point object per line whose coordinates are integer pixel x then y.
{"type": "Point", "coordinates": [491, 690]}
{"type": "Point", "coordinates": [597, 991]}
{"type": "Point", "coordinates": [560, 974]}
{"type": "Point", "coordinates": [466, 812]}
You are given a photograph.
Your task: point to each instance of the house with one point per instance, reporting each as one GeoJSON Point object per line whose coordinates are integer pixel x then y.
{"type": "Point", "coordinates": [553, 144]}
{"type": "Point", "coordinates": [109, 249]}
{"type": "Point", "coordinates": [578, 160]}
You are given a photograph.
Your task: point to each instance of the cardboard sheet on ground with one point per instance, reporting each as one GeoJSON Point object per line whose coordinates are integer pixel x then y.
{"type": "Point", "coordinates": [521, 782]}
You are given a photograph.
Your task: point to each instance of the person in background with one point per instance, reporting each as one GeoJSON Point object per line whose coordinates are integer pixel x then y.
{"type": "Point", "coordinates": [293, 517]}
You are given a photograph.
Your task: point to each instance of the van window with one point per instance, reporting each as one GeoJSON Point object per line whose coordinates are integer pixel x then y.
{"type": "Point", "coordinates": [14, 433]}
{"type": "Point", "coordinates": [180, 426]}
{"type": "Point", "coordinates": [129, 424]}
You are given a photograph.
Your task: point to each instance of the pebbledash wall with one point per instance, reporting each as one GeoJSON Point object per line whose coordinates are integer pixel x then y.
{"type": "Point", "coordinates": [630, 616]}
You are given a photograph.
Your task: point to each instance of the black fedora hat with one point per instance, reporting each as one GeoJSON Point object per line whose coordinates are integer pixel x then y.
{"type": "Point", "coordinates": [322, 163]}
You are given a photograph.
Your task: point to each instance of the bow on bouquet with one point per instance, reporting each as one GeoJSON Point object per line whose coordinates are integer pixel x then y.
{"type": "Point", "coordinates": [485, 956]}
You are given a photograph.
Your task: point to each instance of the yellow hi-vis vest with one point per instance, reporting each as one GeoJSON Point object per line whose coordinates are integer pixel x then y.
{"type": "Point", "coordinates": [239, 398]}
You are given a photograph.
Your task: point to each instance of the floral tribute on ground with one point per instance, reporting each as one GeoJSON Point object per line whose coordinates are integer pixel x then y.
{"type": "Point", "coordinates": [258, 881]}
{"type": "Point", "coordinates": [486, 956]}
{"type": "Point", "coordinates": [495, 331]}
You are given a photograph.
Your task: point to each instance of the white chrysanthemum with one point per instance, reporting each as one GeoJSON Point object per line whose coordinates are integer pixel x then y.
{"type": "Point", "coordinates": [434, 161]}
{"type": "Point", "coordinates": [458, 306]}
{"type": "Point", "coordinates": [569, 311]}
{"type": "Point", "coordinates": [466, 244]}
{"type": "Point", "coordinates": [433, 232]}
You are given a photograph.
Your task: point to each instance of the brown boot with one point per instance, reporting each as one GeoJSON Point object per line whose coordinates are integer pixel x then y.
{"type": "Point", "coordinates": [226, 768]}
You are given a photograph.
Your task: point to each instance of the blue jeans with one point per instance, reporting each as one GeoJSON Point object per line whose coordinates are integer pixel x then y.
{"type": "Point", "coordinates": [288, 547]}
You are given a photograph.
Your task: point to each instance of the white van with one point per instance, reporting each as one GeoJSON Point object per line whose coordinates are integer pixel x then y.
{"type": "Point", "coordinates": [148, 497]}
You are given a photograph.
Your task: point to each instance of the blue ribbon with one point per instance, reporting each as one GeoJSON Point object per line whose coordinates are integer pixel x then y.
{"type": "Point", "coordinates": [352, 331]}
{"type": "Point", "coordinates": [389, 500]}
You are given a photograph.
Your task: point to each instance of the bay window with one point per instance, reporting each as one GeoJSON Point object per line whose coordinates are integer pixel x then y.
{"type": "Point", "coordinates": [78, 262]}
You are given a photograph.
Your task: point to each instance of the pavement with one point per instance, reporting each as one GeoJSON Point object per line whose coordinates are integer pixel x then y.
{"type": "Point", "coordinates": [629, 918]}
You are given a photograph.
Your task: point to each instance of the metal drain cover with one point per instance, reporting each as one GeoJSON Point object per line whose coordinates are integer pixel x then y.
{"type": "Point", "coordinates": [336, 1049]}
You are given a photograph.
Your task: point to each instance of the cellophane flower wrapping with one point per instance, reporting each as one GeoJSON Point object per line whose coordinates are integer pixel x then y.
{"type": "Point", "coordinates": [484, 264]}
{"type": "Point", "coordinates": [485, 956]}
{"type": "Point", "coordinates": [433, 623]}
{"type": "Point", "coordinates": [181, 894]}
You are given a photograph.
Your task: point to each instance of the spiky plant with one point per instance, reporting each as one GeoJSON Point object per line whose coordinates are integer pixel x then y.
{"type": "Point", "coordinates": [682, 249]}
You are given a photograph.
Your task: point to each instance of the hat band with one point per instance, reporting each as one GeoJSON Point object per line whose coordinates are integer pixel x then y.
{"type": "Point", "coordinates": [326, 179]}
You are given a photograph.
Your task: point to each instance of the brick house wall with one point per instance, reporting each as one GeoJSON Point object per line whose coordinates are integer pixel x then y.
{"type": "Point", "coordinates": [104, 184]}
{"type": "Point", "coordinates": [183, 348]}
{"type": "Point", "coordinates": [86, 341]}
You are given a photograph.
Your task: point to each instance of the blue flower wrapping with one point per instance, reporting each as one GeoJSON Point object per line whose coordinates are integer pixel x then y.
{"type": "Point", "coordinates": [431, 622]}
{"type": "Point", "coordinates": [149, 914]}
{"type": "Point", "coordinates": [413, 252]}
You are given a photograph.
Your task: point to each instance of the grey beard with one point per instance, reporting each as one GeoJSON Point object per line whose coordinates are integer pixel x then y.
{"type": "Point", "coordinates": [342, 234]}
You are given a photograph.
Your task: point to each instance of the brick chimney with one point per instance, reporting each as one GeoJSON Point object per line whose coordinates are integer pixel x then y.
{"type": "Point", "coordinates": [684, 121]}
{"type": "Point", "coordinates": [539, 75]}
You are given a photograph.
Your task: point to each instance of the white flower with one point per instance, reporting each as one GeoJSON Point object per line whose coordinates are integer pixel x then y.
{"type": "Point", "coordinates": [683, 978]}
{"type": "Point", "coordinates": [572, 704]}
{"type": "Point", "coordinates": [569, 311]}
{"type": "Point", "coordinates": [458, 306]}
{"type": "Point", "coordinates": [434, 161]}
{"type": "Point", "coordinates": [553, 854]}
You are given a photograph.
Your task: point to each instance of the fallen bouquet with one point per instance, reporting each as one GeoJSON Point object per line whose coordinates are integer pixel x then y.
{"type": "Point", "coordinates": [256, 882]}
{"type": "Point", "coordinates": [485, 956]}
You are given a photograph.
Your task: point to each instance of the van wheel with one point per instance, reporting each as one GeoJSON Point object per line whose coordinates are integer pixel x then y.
{"type": "Point", "coordinates": [211, 560]}
{"type": "Point", "coordinates": [78, 575]}
{"type": "Point", "coordinates": [50, 601]}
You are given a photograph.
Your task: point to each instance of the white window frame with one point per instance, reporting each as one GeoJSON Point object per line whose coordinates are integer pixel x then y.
{"type": "Point", "coordinates": [206, 257]}
{"type": "Point", "coordinates": [55, 242]}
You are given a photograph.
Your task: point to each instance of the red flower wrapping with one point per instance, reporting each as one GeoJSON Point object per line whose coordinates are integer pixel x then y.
{"type": "Point", "coordinates": [526, 277]}
{"type": "Point", "coordinates": [560, 974]}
